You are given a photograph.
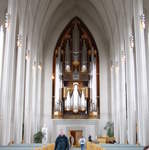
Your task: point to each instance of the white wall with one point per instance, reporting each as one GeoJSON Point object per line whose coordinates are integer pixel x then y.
{"type": "Point", "coordinates": [89, 127]}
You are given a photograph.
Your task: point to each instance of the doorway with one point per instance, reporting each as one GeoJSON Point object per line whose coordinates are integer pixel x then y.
{"type": "Point", "coordinates": [77, 134]}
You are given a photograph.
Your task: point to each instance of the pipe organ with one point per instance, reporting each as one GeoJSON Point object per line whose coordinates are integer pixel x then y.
{"type": "Point", "coordinates": [76, 73]}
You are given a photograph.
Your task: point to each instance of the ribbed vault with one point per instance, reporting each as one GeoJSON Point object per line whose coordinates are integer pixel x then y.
{"type": "Point", "coordinates": [48, 14]}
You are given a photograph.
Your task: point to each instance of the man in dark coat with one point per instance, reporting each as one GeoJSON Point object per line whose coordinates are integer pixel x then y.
{"type": "Point", "coordinates": [61, 142]}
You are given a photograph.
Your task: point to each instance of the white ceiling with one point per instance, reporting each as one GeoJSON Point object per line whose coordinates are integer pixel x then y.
{"type": "Point", "coordinates": [3, 8]}
{"type": "Point", "coordinates": [103, 13]}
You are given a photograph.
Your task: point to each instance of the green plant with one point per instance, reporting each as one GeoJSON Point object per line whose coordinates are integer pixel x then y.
{"type": "Point", "coordinates": [109, 128]}
{"type": "Point", "coordinates": [38, 137]}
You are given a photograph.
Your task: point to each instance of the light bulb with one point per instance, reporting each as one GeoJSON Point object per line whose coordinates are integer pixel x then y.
{"type": "Point", "coordinates": [7, 20]}
{"type": "Point", "coordinates": [34, 65]}
{"type": "Point", "coordinates": [39, 66]}
{"type": "Point", "coordinates": [131, 39]}
{"type": "Point", "coordinates": [19, 41]}
{"type": "Point", "coordinates": [142, 21]}
{"type": "Point", "coordinates": [52, 77]}
{"type": "Point", "coordinates": [27, 55]}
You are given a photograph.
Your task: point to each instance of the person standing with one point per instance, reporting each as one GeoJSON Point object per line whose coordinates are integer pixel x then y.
{"type": "Point", "coordinates": [61, 142]}
{"type": "Point", "coordinates": [45, 134]}
{"type": "Point", "coordinates": [82, 142]}
{"type": "Point", "coordinates": [71, 141]}
{"type": "Point", "coordinates": [90, 138]}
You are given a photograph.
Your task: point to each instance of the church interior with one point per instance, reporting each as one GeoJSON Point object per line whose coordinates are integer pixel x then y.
{"type": "Point", "coordinates": [81, 66]}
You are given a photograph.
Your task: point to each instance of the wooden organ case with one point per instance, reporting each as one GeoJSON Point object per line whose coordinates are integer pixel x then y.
{"type": "Point", "coordinates": [75, 74]}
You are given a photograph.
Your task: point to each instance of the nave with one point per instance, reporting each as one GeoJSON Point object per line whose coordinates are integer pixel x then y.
{"type": "Point", "coordinates": [74, 65]}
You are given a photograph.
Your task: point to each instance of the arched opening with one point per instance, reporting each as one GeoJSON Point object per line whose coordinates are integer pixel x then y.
{"type": "Point", "coordinates": [75, 74]}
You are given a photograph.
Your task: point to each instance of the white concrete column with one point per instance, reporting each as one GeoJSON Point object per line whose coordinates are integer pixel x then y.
{"type": "Point", "coordinates": [1, 51]}
{"type": "Point", "coordinates": [1, 71]}
{"type": "Point", "coordinates": [38, 106]}
{"type": "Point", "coordinates": [146, 32]}
{"type": "Point", "coordinates": [112, 93]}
{"type": "Point", "coordinates": [19, 95]}
{"type": "Point", "coordinates": [33, 100]}
{"type": "Point", "coordinates": [123, 122]}
{"type": "Point", "coordinates": [117, 103]}
{"type": "Point", "coordinates": [93, 83]}
{"type": "Point", "coordinates": [20, 80]}
{"type": "Point", "coordinates": [131, 102]}
{"type": "Point", "coordinates": [8, 74]}
{"type": "Point", "coordinates": [47, 96]}
{"type": "Point", "coordinates": [27, 111]}
{"type": "Point", "coordinates": [147, 52]}
{"type": "Point", "coordinates": [142, 91]}
{"type": "Point", "coordinates": [28, 80]}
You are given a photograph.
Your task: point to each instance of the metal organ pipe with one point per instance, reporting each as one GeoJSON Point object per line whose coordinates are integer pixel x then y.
{"type": "Point", "coordinates": [84, 57]}
{"type": "Point", "coordinates": [76, 38]}
{"type": "Point", "coordinates": [83, 102]}
{"type": "Point", "coordinates": [93, 83]}
{"type": "Point", "coordinates": [68, 102]}
{"type": "Point", "coordinates": [75, 98]}
{"type": "Point", "coordinates": [67, 57]}
{"type": "Point", "coordinates": [75, 44]}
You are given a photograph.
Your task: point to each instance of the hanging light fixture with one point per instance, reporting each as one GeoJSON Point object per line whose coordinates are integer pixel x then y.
{"type": "Point", "coordinates": [19, 41]}
{"type": "Point", "coordinates": [27, 55]}
{"type": "Point", "coordinates": [40, 66]}
{"type": "Point", "coordinates": [7, 20]}
{"type": "Point", "coordinates": [34, 65]}
{"type": "Point", "coordinates": [52, 77]}
{"type": "Point", "coordinates": [142, 21]}
{"type": "Point", "coordinates": [123, 56]}
{"type": "Point", "coordinates": [116, 67]}
{"type": "Point", "coordinates": [112, 65]}
{"type": "Point", "coordinates": [131, 39]}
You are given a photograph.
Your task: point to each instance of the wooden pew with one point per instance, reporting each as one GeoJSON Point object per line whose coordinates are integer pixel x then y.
{"type": "Point", "coordinates": [46, 147]}
{"type": "Point", "coordinates": [93, 146]}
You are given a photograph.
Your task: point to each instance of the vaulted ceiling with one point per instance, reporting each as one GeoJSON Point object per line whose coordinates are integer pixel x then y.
{"type": "Point", "coordinates": [105, 16]}
{"type": "Point", "coordinates": [47, 15]}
